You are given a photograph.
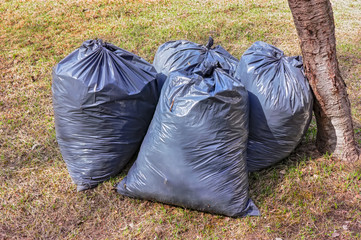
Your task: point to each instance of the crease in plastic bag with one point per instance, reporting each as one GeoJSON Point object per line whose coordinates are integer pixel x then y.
{"type": "Point", "coordinates": [104, 98]}
{"type": "Point", "coordinates": [280, 103]}
{"type": "Point", "coordinates": [185, 55]}
{"type": "Point", "coordinates": [194, 153]}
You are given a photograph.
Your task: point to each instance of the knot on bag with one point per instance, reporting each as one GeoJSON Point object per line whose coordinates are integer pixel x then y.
{"type": "Point", "coordinates": [206, 68]}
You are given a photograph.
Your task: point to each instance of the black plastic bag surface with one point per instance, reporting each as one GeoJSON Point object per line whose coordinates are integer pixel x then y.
{"type": "Point", "coordinates": [194, 153]}
{"type": "Point", "coordinates": [280, 103]}
{"type": "Point", "coordinates": [185, 55]}
{"type": "Point", "coordinates": [104, 98]}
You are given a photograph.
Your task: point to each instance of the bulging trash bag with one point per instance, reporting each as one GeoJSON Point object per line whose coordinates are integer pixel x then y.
{"type": "Point", "coordinates": [194, 153]}
{"type": "Point", "coordinates": [104, 99]}
{"type": "Point", "coordinates": [280, 103]}
{"type": "Point", "coordinates": [185, 55]}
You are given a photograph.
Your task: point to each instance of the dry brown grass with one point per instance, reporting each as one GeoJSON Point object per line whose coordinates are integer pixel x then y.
{"type": "Point", "coordinates": [308, 196]}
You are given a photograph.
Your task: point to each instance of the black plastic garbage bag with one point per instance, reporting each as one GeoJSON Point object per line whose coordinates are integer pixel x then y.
{"type": "Point", "coordinates": [104, 99]}
{"type": "Point", "coordinates": [280, 103]}
{"type": "Point", "coordinates": [185, 55]}
{"type": "Point", "coordinates": [194, 153]}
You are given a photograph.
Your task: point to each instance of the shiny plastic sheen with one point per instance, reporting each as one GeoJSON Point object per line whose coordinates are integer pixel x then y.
{"type": "Point", "coordinates": [104, 98]}
{"type": "Point", "coordinates": [185, 55]}
{"type": "Point", "coordinates": [194, 153]}
{"type": "Point", "coordinates": [280, 103]}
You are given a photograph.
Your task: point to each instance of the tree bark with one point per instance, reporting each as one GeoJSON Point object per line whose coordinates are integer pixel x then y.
{"type": "Point", "coordinates": [316, 30]}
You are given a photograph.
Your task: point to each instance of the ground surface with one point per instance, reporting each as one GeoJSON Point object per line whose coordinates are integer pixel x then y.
{"type": "Point", "coordinates": [308, 196]}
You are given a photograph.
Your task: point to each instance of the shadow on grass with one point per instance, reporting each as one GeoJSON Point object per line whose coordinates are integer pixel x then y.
{"type": "Point", "coordinates": [264, 183]}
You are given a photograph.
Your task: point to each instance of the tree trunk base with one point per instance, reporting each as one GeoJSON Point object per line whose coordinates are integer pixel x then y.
{"type": "Point", "coordinates": [316, 30]}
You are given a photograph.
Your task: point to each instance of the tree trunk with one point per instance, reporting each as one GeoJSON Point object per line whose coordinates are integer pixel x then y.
{"type": "Point", "coordinates": [316, 30]}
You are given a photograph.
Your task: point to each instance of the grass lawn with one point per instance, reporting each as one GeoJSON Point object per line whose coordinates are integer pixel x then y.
{"type": "Point", "coordinates": [307, 196]}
